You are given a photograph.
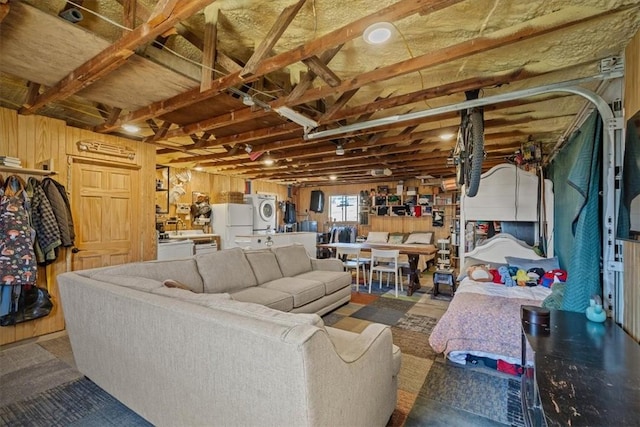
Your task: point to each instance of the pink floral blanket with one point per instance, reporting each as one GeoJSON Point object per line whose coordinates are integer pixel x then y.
{"type": "Point", "coordinates": [484, 324]}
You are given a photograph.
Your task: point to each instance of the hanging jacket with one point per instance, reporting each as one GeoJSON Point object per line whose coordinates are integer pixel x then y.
{"type": "Point", "coordinates": [44, 222]}
{"type": "Point", "coordinates": [57, 196]}
{"type": "Point", "coordinates": [17, 259]}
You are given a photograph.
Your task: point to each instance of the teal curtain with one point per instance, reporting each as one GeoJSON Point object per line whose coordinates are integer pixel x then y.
{"type": "Point", "coordinates": [576, 174]}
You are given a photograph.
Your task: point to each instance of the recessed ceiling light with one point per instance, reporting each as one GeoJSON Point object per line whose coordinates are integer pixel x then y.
{"type": "Point", "coordinates": [446, 136]}
{"type": "Point", "coordinates": [333, 177]}
{"type": "Point", "coordinates": [378, 33]}
{"type": "Point", "coordinates": [131, 128]}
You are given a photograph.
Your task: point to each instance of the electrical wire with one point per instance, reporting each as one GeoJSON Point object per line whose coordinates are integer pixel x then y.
{"type": "Point", "coordinates": [406, 44]}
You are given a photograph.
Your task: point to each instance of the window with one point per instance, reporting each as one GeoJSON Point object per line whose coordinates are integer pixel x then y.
{"type": "Point", "coordinates": [343, 208]}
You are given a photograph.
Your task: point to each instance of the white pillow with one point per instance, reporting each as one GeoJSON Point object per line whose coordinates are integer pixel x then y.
{"type": "Point", "coordinates": [424, 238]}
{"type": "Point", "coordinates": [377, 237]}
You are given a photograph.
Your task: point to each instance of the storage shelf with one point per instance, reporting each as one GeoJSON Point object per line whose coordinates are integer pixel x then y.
{"type": "Point", "coordinates": [26, 171]}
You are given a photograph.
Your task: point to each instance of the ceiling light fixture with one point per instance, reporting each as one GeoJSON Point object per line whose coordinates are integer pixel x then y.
{"type": "Point", "coordinates": [131, 128]}
{"type": "Point", "coordinates": [333, 177]}
{"type": "Point", "coordinates": [296, 117]}
{"type": "Point", "coordinates": [268, 160]}
{"type": "Point", "coordinates": [340, 150]}
{"type": "Point", "coordinates": [248, 148]}
{"type": "Point", "coordinates": [378, 33]}
{"type": "Point", "coordinates": [248, 101]}
{"type": "Point", "coordinates": [198, 167]}
{"type": "Point", "coordinates": [446, 136]}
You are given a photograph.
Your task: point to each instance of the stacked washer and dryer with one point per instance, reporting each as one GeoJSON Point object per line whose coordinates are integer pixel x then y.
{"type": "Point", "coordinates": [264, 212]}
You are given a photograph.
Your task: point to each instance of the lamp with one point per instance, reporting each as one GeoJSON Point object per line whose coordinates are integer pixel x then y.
{"type": "Point", "coordinates": [296, 117]}
{"type": "Point", "coordinates": [378, 33]}
{"type": "Point", "coordinates": [340, 150]}
{"type": "Point", "coordinates": [333, 177]}
{"type": "Point", "coordinates": [268, 160]}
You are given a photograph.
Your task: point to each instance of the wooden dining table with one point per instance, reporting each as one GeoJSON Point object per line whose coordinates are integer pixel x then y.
{"type": "Point", "coordinates": [413, 252]}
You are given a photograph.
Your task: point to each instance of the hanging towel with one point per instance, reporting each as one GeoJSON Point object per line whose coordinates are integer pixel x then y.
{"type": "Point", "coordinates": [584, 279]}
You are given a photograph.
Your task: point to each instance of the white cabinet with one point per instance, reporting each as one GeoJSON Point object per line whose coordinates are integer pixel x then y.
{"type": "Point", "coordinates": [175, 250]}
{"type": "Point", "coordinates": [261, 241]}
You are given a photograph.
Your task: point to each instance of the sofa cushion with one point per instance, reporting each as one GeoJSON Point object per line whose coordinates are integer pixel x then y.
{"type": "Point", "coordinates": [292, 259]}
{"type": "Point", "coordinates": [377, 237]}
{"type": "Point", "coordinates": [303, 291]}
{"type": "Point", "coordinates": [333, 280]}
{"type": "Point", "coordinates": [135, 282]}
{"type": "Point", "coordinates": [225, 271]}
{"type": "Point", "coordinates": [192, 297]}
{"type": "Point", "coordinates": [268, 297]}
{"type": "Point", "coordinates": [264, 264]}
{"type": "Point", "coordinates": [184, 270]}
{"type": "Point", "coordinates": [269, 314]}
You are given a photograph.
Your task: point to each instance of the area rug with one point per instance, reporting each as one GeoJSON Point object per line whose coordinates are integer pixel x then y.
{"type": "Point", "coordinates": [431, 390]}
{"type": "Point", "coordinates": [76, 403]}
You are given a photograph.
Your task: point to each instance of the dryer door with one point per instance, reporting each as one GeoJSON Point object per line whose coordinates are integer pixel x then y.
{"type": "Point", "coordinates": [266, 210]}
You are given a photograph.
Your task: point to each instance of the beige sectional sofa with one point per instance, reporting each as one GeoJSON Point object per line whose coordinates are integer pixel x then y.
{"type": "Point", "coordinates": [245, 345]}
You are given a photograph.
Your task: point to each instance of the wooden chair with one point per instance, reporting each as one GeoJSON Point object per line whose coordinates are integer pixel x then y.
{"type": "Point", "coordinates": [385, 261]}
{"type": "Point", "coordinates": [350, 258]}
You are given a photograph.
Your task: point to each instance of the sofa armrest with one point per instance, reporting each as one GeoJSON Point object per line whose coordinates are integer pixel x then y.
{"type": "Point", "coordinates": [327, 264]}
{"type": "Point", "coordinates": [351, 346]}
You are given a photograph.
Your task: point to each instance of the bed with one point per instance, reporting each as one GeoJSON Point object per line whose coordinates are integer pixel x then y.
{"type": "Point", "coordinates": [483, 318]}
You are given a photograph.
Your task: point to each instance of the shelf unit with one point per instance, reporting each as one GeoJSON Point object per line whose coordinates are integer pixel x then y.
{"type": "Point", "coordinates": [26, 171]}
{"type": "Point", "coordinates": [162, 189]}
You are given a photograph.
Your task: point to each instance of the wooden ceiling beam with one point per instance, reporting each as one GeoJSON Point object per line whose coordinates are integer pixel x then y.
{"type": "Point", "coordinates": [398, 10]}
{"type": "Point", "coordinates": [4, 10]}
{"type": "Point", "coordinates": [447, 54]}
{"type": "Point", "coordinates": [341, 102]}
{"type": "Point", "coordinates": [209, 54]}
{"type": "Point", "coordinates": [308, 78]}
{"type": "Point", "coordinates": [277, 29]}
{"type": "Point", "coordinates": [380, 104]}
{"type": "Point", "coordinates": [320, 69]}
{"type": "Point", "coordinates": [166, 14]}
{"type": "Point", "coordinates": [129, 13]}
{"type": "Point", "coordinates": [32, 93]}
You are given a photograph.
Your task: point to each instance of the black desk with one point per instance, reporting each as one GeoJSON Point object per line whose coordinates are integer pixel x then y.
{"type": "Point", "coordinates": [584, 373]}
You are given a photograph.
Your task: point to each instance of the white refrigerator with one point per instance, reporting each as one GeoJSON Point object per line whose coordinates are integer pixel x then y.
{"type": "Point", "coordinates": [230, 220]}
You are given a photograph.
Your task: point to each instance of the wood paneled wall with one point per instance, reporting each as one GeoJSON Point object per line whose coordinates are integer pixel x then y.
{"type": "Point", "coordinates": [631, 317]}
{"type": "Point", "coordinates": [211, 184]}
{"type": "Point", "coordinates": [302, 198]}
{"type": "Point", "coordinates": [632, 77]}
{"type": "Point", "coordinates": [36, 138]}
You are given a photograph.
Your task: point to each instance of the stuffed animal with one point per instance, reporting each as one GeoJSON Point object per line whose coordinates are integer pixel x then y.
{"type": "Point", "coordinates": [496, 276]}
{"type": "Point", "coordinates": [552, 276]}
{"type": "Point", "coordinates": [521, 278]}
{"type": "Point", "coordinates": [479, 273]}
{"type": "Point", "coordinates": [505, 276]}
{"type": "Point", "coordinates": [535, 275]}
